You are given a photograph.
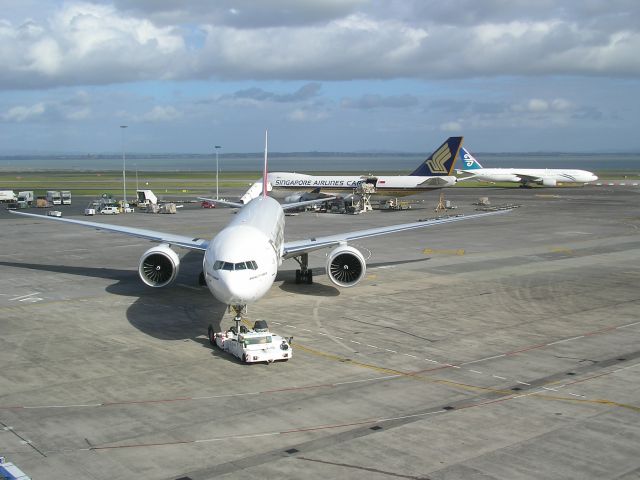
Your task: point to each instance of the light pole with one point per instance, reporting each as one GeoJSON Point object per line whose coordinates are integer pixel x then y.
{"type": "Point", "coordinates": [124, 168]}
{"type": "Point", "coordinates": [217, 147]}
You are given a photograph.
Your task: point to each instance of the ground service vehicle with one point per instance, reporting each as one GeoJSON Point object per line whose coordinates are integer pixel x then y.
{"type": "Point", "coordinates": [110, 211]}
{"type": "Point", "coordinates": [53, 197]}
{"type": "Point", "coordinates": [7, 196]}
{"type": "Point", "coordinates": [26, 197]}
{"type": "Point", "coordinates": [252, 345]}
{"type": "Point", "coordinates": [207, 204]}
{"type": "Point", "coordinates": [66, 197]}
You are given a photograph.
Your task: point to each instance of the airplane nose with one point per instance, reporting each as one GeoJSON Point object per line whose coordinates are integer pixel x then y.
{"type": "Point", "coordinates": [594, 178]}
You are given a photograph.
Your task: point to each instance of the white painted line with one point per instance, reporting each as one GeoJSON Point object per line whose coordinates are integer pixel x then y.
{"type": "Point", "coordinates": [64, 406]}
{"type": "Point", "coordinates": [372, 346]}
{"type": "Point", "coordinates": [432, 361]}
{"type": "Point", "coordinates": [338, 338]}
{"type": "Point", "coordinates": [628, 325]}
{"type": "Point", "coordinates": [550, 389]}
{"type": "Point", "coordinates": [498, 376]}
{"type": "Point", "coordinates": [24, 296]}
{"type": "Point", "coordinates": [392, 351]}
{"type": "Point", "coordinates": [290, 326]}
{"type": "Point", "coordinates": [483, 359]}
{"type": "Point", "coordinates": [565, 340]}
{"type": "Point", "coordinates": [305, 330]}
{"type": "Point", "coordinates": [353, 341]}
{"type": "Point", "coordinates": [411, 416]}
{"type": "Point", "coordinates": [325, 334]}
{"type": "Point", "coordinates": [276, 323]}
{"type": "Point", "coordinates": [475, 371]}
{"type": "Point", "coordinates": [368, 380]}
{"type": "Point", "coordinates": [409, 355]}
{"type": "Point", "coordinates": [576, 395]}
{"type": "Point", "coordinates": [522, 383]}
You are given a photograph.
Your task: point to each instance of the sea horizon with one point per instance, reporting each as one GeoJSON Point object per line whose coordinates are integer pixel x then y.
{"type": "Point", "coordinates": [310, 161]}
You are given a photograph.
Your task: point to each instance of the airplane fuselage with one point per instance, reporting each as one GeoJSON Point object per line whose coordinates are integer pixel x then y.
{"type": "Point", "coordinates": [285, 183]}
{"type": "Point", "coordinates": [527, 175]}
{"type": "Point", "coordinates": [241, 262]}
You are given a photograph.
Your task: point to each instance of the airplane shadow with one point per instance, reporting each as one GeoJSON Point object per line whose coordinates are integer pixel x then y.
{"type": "Point", "coordinates": [287, 277]}
{"type": "Point", "coordinates": [179, 312]}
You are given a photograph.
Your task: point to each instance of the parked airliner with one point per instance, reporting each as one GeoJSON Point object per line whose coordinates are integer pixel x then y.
{"type": "Point", "coordinates": [548, 177]}
{"type": "Point", "coordinates": [241, 262]}
{"type": "Point", "coordinates": [433, 173]}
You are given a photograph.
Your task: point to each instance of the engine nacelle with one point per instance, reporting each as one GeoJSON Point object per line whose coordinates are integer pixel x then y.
{"type": "Point", "coordinates": [296, 197]}
{"type": "Point", "coordinates": [346, 266]}
{"type": "Point", "coordinates": [549, 182]}
{"type": "Point", "coordinates": [159, 266]}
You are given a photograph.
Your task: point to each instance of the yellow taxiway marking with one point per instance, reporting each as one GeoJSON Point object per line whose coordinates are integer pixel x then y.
{"type": "Point", "coordinates": [432, 251]}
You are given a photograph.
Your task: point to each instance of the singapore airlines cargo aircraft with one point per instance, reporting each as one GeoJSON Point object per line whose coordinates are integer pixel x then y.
{"type": "Point", "coordinates": [548, 177]}
{"type": "Point", "coordinates": [434, 172]}
{"type": "Point", "coordinates": [241, 262]}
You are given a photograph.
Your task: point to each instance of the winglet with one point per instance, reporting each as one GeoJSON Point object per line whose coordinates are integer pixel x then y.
{"type": "Point", "coordinates": [440, 162]}
{"type": "Point", "coordinates": [265, 173]}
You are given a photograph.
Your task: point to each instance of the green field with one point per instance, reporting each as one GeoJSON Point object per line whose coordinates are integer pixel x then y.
{"type": "Point", "coordinates": [178, 183]}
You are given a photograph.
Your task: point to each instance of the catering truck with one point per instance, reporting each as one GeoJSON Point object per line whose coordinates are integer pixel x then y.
{"type": "Point", "coordinates": [65, 196]}
{"type": "Point", "coordinates": [7, 196]}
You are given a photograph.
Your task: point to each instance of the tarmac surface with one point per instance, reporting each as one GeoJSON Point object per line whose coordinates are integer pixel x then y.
{"type": "Point", "coordinates": [499, 348]}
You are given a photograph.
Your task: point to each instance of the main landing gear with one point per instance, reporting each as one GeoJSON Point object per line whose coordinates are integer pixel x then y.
{"type": "Point", "coordinates": [304, 274]}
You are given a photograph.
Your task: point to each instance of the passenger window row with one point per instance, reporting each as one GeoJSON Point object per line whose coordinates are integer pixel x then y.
{"type": "Point", "coordinates": [249, 265]}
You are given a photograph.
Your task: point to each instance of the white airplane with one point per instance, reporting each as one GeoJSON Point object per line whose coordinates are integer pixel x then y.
{"type": "Point", "coordinates": [548, 177]}
{"type": "Point", "coordinates": [434, 172]}
{"type": "Point", "coordinates": [241, 262]}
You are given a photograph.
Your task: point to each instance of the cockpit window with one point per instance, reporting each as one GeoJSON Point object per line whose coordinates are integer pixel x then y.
{"type": "Point", "coordinates": [248, 265]}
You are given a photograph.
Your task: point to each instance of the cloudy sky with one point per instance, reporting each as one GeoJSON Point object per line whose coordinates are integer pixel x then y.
{"type": "Point", "coordinates": [321, 75]}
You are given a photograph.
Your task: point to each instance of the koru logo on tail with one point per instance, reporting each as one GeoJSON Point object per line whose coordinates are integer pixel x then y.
{"type": "Point", "coordinates": [468, 161]}
{"type": "Point", "coordinates": [436, 164]}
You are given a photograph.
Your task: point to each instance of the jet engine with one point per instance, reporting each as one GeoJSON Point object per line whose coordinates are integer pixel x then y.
{"type": "Point", "coordinates": [296, 197]}
{"type": "Point", "coordinates": [346, 266]}
{"type": "Point", "coordinates": [159, 266]}
{"type": "Point", "coordinates": [549, 182]}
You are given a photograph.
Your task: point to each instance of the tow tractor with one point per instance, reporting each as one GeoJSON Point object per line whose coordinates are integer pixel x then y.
{"type": "Point", "coordinates": [252, 345]}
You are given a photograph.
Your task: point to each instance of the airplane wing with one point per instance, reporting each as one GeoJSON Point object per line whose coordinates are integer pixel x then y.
{"type": "Point", "coordinates": [528, 178]}
{"type": "Point", "coordinates": [226, 203]}
{"type": "Point", "coordinates": [285, 206]}
{"type": "Point", "coordinates": [170, 238]}
{"type": "Point", "coordinates": [289, 206]}
{"type": "Point", "coordinates": [299, 247]}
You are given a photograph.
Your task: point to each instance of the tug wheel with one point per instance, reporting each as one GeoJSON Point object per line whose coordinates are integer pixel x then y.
{"type": "Point", "coordinates": [211, 335]}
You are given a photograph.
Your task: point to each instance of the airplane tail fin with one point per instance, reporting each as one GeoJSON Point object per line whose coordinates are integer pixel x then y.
{"type": "Point", "coordinates": [265, 174]}
{"type": "Point", "coordinates": [440, 162]}
{"type": "Point", "coordinates": [468, 160]}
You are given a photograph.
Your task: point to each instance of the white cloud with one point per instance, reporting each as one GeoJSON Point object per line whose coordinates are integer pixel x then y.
{"type": "Point", "coordinates": [306, 115]}
{"type": "Point", "coordinates": [23, 113]}
{"type": "Point", "coordinates": [132, 40]}
{"type": "Point", "coordinates": [452, 127]}
{"type": "Point", "coordinates": [85, 43]}
{"type": "Point", "coordinates": [161, 114]}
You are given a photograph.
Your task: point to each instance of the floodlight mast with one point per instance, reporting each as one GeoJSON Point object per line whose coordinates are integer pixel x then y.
{"type": "Point", "coordinates": [124, 175]}
{"type": "Point", "coordinates": [217, 147]}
